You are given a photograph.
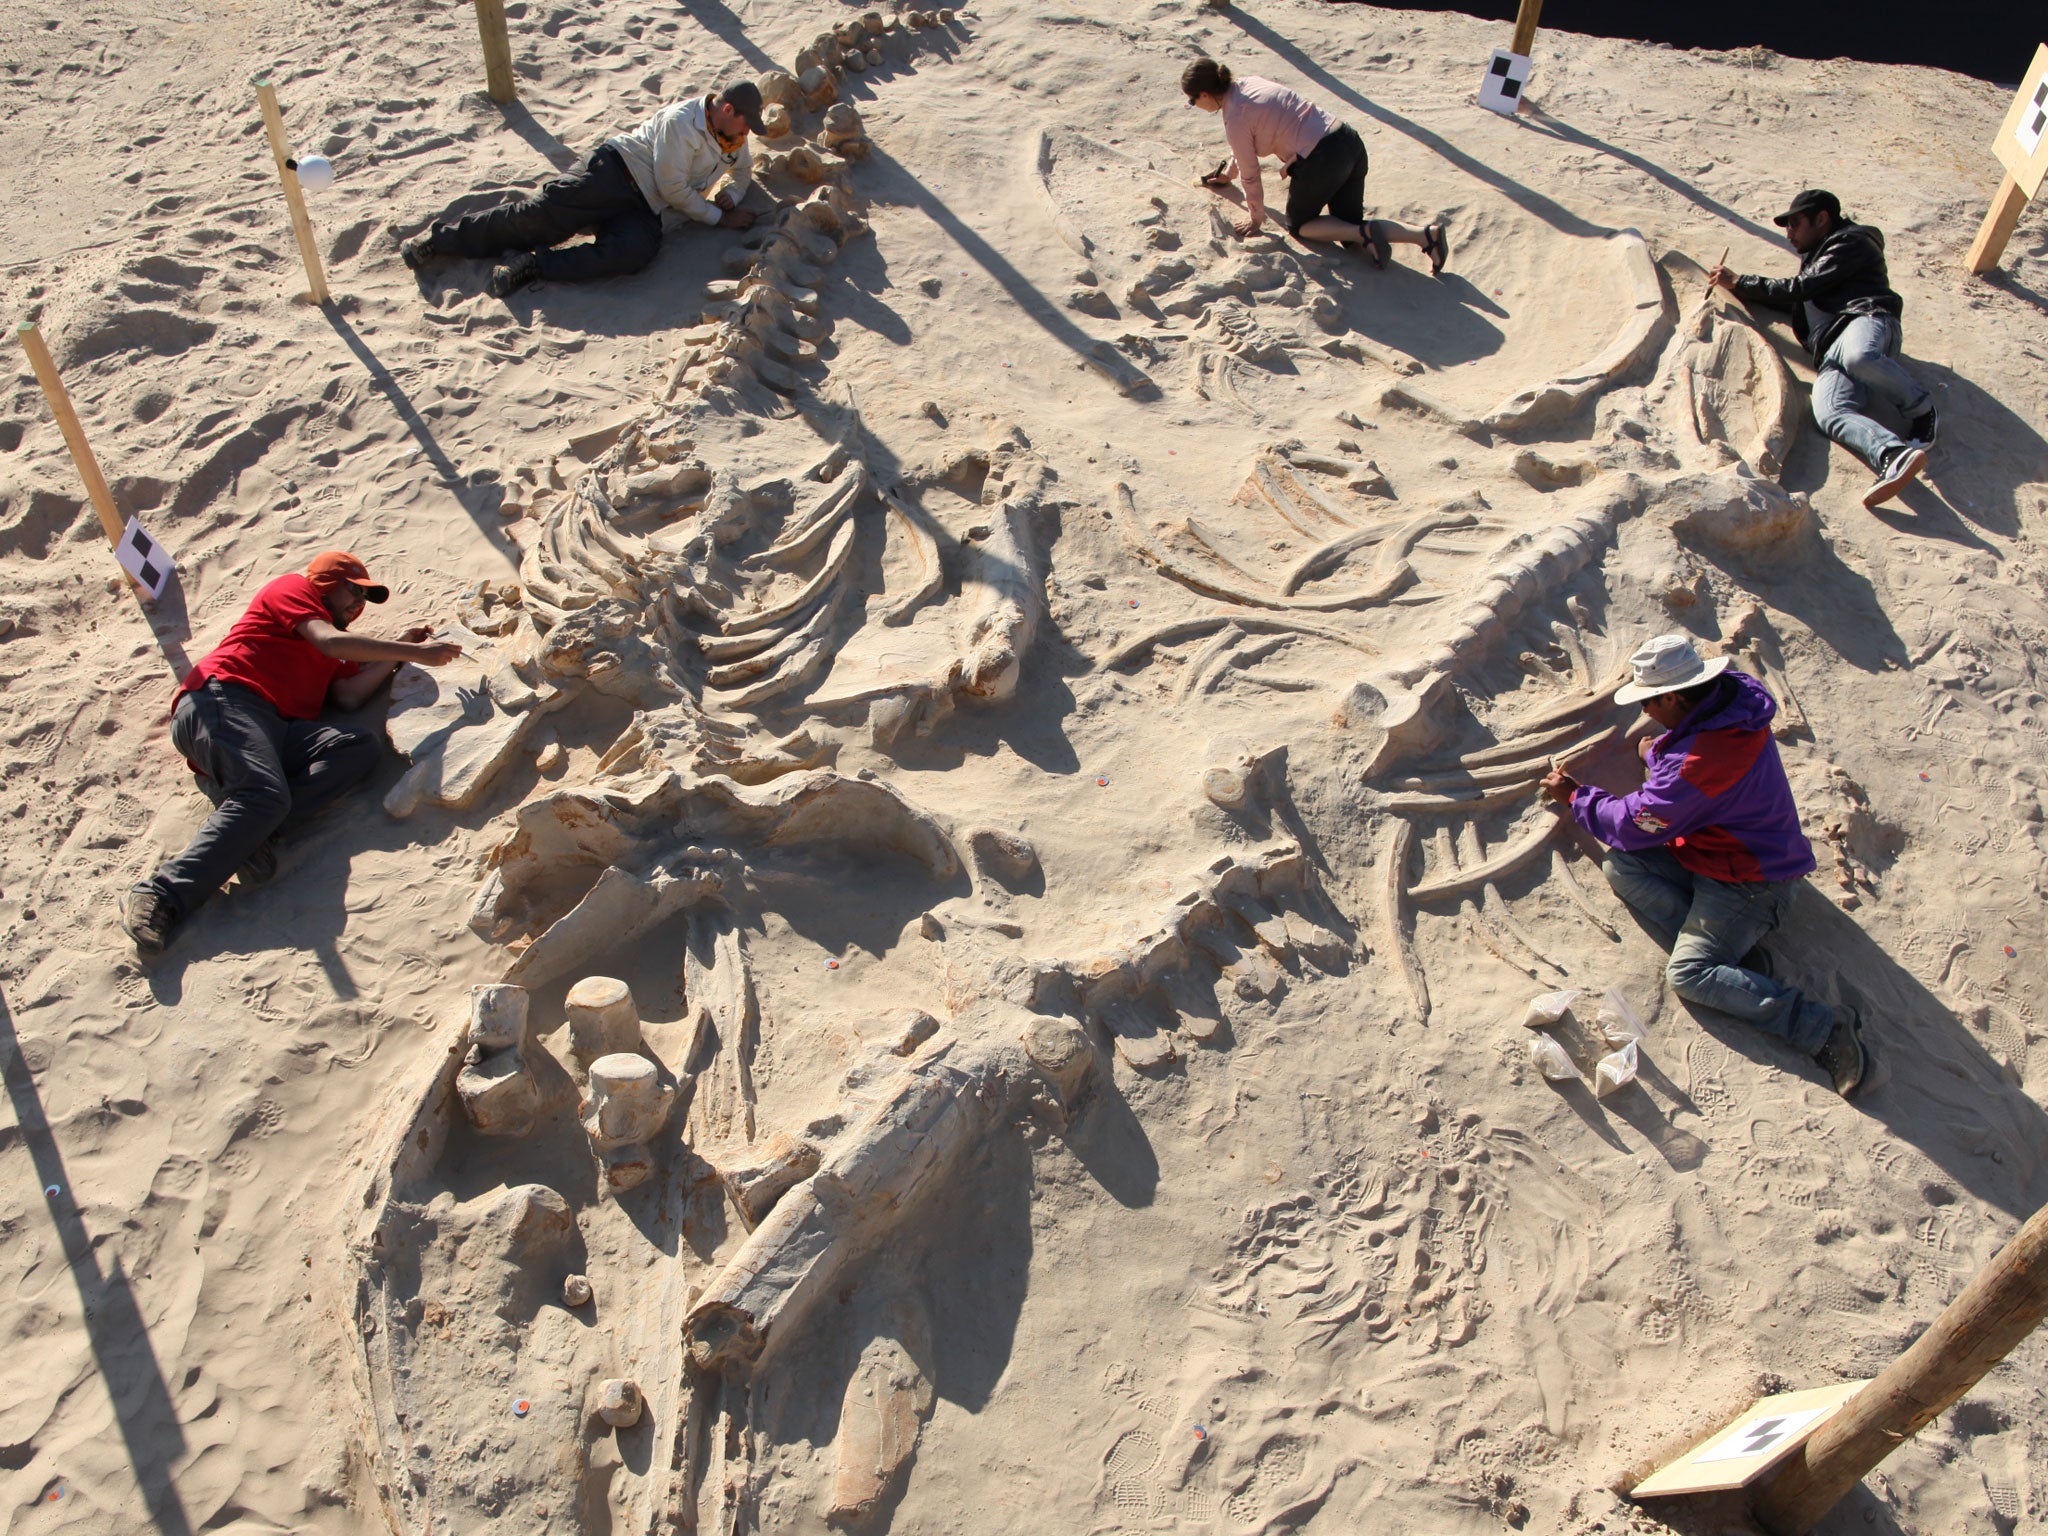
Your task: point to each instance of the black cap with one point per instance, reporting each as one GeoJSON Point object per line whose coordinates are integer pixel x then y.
{"type": "Point", "coordinates": [745, 99]}
{"type": "Point", "coordinates": [1810, 201]}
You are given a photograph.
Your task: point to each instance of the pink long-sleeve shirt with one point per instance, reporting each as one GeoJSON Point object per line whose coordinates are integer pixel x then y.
{"type": "Point", "coordinates": [1262, 118]}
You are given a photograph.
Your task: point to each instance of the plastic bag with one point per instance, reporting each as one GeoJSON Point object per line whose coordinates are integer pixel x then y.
{"type": "Point", "coordinates": [1616, 1022]}
{"type": "Point", "coordinates": [1617, 1069]}
{"type": "Point", "coordinates": [1549, 1008]}
{"type": "Point", "coordinates": [1553, 1061]}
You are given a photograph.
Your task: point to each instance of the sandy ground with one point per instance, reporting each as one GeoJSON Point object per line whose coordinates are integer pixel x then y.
{"type": "Point", "coordinates": [1337, 1268]}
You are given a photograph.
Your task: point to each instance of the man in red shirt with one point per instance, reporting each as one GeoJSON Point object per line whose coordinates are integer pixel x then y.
{"type": "Point", "coordinates": [246, 720]}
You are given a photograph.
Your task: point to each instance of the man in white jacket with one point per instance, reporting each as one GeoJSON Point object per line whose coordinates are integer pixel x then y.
{"type": "Point", "coordinates": [618, 194]}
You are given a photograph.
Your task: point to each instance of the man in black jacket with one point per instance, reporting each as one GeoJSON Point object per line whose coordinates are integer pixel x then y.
{"type": "Point", "coordinates": [1845, 312]}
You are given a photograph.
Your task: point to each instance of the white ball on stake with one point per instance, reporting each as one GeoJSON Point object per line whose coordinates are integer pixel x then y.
{"type": "Point", "coordinates": [316, 172]}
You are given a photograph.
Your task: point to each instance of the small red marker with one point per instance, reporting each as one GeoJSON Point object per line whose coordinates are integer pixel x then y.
{"type": "Point", "coordinates": [831, 965]}
{"type": "Point", "coordinates": [2010, 952]}
{"type": "Point", "coordinates": [521, 1407]}
{"type": "Point", "coordinates": [1102, 783]}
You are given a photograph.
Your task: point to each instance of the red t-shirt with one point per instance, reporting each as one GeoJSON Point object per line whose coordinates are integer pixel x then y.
{"type": "Point", "coordinates": [263, 651]}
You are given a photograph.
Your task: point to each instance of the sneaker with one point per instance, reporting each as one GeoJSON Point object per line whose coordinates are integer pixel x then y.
{"type": "Point", "coordinates": [260, 868]}
{"type": "Point", "coordinates": [1900, 466]}
{"type": "Point", "coordinates": [420, 253]}
{"type": "Point", "coordinates": [1921, 429]}
{"type": "Point", "coordinates": [1843, 1055]}
{"type": "Point", "coordinates": [522, 271]}
{"type": "Point", "coordinates": [147, 917]}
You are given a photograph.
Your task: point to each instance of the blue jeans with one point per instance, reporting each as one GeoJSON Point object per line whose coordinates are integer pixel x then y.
{"type": "Point", "coordinates": [1863, 361]}
{"type": "Point", "coordinates": [1708, 925]}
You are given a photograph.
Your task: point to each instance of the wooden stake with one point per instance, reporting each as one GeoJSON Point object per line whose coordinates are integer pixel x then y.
{"type": "Point", "coordinates": [1525, 27]}
{"type": "Point", "coordinates": [294, 197]}
{"type": "Point", "coordinates": [2007, 204]}
{"type": "Point", "coordinates": [74, 435]}
{"type": "Point", "coordinates": [2006, 1301]}
{"type": "Point", "coordinates": [490, 23]}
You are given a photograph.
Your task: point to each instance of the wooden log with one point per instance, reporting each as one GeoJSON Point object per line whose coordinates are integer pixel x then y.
{"type": "Point", "coordinates": [111, 521]}
{"type": "Point", "coordinates": [2004, 1303]}
{"type": "Point", "coordinates": [2007, 204]}
{"type": "Point", "coordinates": [1525, 26]}
{"type": "Point", "coordinates": [294, 198]}
{"type": "Point", "coordinates": [490, 25]}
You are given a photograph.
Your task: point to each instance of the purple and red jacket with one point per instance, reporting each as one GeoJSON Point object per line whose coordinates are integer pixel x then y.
{"type": "Point", "coordinates": [1715, 794]}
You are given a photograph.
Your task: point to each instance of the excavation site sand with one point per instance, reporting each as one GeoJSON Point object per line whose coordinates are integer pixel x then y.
{"type": "Point", "coordinates": [952, 956]}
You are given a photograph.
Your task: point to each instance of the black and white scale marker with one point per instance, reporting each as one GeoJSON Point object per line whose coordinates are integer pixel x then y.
{"type": "Point", "coordinates": [1501, 90]}
{"type": "Point", "coordinates": [144, 559]}
{"type": "Point", "coordinates": [1763, 1435]}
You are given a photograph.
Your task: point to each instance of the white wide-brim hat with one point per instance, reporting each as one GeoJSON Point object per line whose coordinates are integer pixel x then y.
{"type": "Point", "coordinates": [1665, 665]}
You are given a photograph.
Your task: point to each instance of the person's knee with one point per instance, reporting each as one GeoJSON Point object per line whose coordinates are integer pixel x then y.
{"type": "Point", "coordinates": [259, 798]}
{"type": "Point", "coordinates": [639, 248]}
{"type": "Point", "coordinates": [1687, 971]}
{"type": "Point", "coordinates": [355, 755]}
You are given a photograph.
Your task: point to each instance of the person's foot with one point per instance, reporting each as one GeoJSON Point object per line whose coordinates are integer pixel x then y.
{"type": "Point", "coordinates": [522, 271]}
{"type": "Point", "coordinates": [1376, 245]}
{"type": "Point", "coordinates": [147, 918]}
{"type": "Point", "coordinates": [1921, 429]}
{"type": "Point", "coordinates": [260, 868]}
{"type": "Point", "coordinates": [1900, 466]}
{"type": "Point", "coordinates": [420, 253]}
{"type": "Point", "coordinates": [1436, 245]}
{"type": "Point", "coordinates": [1843, 1055]}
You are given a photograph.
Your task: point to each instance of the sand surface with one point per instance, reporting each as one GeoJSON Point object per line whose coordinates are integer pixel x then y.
{"type": "Point", "coordinates": [1308, 1254]}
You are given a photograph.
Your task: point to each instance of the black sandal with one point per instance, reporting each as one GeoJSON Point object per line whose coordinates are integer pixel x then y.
{"type": "Point", "coordinates": [1376, 243]}
{"type": "Point", "coordinates": [1437, 247]}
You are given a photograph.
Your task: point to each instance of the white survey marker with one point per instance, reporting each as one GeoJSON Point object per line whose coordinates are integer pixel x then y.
{"type": "Point", "coordinates": [1762, 1435]}
{"type": "Point", "coordinates": [1501, 89]}
{"type": "Point", "coordinates": [144, 559]}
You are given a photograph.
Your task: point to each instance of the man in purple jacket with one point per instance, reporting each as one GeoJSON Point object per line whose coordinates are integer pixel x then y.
{"type": "Point", "coordinates": [1708, 853]}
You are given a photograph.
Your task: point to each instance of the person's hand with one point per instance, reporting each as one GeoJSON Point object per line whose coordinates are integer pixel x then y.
{"type": "Point", "coordinates": [416, 634]}
{"type": "Point", "coordinates": [737, 218]}
{"type": "Point", "coordinates": [1246, 227]}
{"type": "Point", "coordinates": [1287, 170]}
{"type": "Point", "coordinates": [1643, 746]}
{"type": "Point", "coordinates": [725, 199]}
{"type": "Point", "coordinates": [1721, 277]}
{"type": "Point", "coordinates": [438, 654]}
{"type": "Point", "coordinates": [1558, 785]}
{"type": "Point", "coordinates": [1216, 179]}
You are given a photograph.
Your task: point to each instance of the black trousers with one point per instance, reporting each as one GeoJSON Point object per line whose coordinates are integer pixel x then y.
{"type": "Point", "coordinates": [267, 772]}
{"type": "Point", "coordinates": [599, 196]}
{"type": "Point", "coordinates": [1332, 176]}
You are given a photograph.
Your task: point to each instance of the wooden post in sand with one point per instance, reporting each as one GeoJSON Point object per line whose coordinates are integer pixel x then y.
{"type": "Point", "coordinates": [2022, 148]}
{"type": "Point", "coordinates": [2006, 1301]}
{"type": "Point", "coordinates": [490, 22]}
{"type": "Point", "coordinates": [294, 197]}
{"type": "Point", "coordinates": [2007, 205]}
{"type": "Point", "coordinates": [74, 435]}
{"type": "Point", "coordinates": [1525, 27]}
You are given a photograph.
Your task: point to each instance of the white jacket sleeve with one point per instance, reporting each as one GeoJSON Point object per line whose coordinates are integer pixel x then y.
{"type": "Point", "coordinates": [743, 171]}
{"type": "Point", "coordinates": [682, 173]}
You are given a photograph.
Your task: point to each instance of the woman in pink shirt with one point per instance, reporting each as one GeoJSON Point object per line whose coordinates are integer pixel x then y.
{"type": "Point", "coordinates": [1323, 160]}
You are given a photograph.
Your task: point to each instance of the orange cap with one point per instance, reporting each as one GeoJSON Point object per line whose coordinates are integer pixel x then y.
{"type": "Point", "coordinates": [334, 567]}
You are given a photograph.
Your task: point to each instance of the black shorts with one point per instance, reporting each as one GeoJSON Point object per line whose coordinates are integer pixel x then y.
{"type": "Point", "coordinates": [1332, 176]}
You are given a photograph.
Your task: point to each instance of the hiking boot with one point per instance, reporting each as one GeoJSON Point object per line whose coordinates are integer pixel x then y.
{"type": "Point", "coordinates": [420, 253]}
{"type": "Point", "coordinates": [1900, 466]}
{"type": "Point", "coordinates": [1843, 1056]}
{"type": "Point", "coordinates": [260, 868]}
{"type": "Point", "coordinates": [1921, 429]}
{"type": "Point", "coordinates": [522, 271]}
{"type": "Point", "coordinates": [148, 918]}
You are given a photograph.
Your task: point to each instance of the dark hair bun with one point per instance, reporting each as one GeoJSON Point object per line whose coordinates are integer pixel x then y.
{"type": "Point", "coordinates": [1205, 77]}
